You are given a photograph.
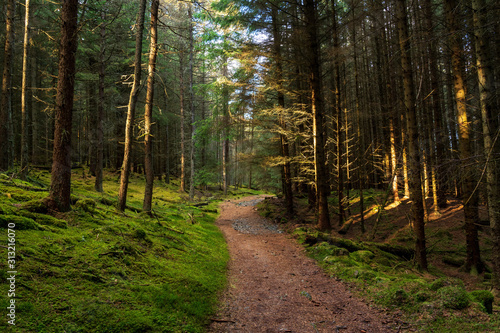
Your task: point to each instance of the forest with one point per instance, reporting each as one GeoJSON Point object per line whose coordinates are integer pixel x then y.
{"type": "Point", "coordinates": [319, 102]}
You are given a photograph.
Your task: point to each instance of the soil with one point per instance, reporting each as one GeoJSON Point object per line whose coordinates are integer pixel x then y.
{"type": "Point", "coordinates": [274, 287]}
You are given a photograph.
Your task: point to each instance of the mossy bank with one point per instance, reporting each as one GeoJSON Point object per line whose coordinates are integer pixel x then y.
{"type": "Point", "coordinates": [95, 269]}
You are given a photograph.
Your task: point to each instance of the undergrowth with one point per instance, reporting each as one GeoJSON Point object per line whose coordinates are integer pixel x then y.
{"type": "Point", "coordinates": [386, 274]}
{"type": "Point", "coordinates": [95, 269]}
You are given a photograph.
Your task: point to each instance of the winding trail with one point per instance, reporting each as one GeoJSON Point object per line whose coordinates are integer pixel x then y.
{"type": "Point", "coordinates": [275, 287]}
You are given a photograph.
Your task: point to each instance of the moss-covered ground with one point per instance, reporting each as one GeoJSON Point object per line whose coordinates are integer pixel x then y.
{"type": "Point", "coordinates": [379, 265]}
{"type": "Point", "coordinates": [95, 269]}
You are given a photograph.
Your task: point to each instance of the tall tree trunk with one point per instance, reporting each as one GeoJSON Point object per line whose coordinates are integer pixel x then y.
{"type": "Point", "coordinates": [394, 161]}
{"type": "Point", "coordinates": [60, 186]}
{"type": "Point", "coordinates": [6, 132]}
{"type": "Point", "coordinates": [191, 101]}
{"type": "Point", "coordinates": [148, 112]}
{"type": "Point", "coordinates": [360, 137]}
{"type": "Point", "coordinates": [287, 179]}
{"type": "Point", "coordinates": [182, 107]}
{"type": "Point", "coordinates": [338, 114]}
{"type": "Point", "coordinates": [436, 105]}
{"type": "Point", "coordinates": [100, 109]}
{"type": "Point", "coordinates": [225, 129]}
{"type": "Point", "coordinates": [35, 116]}
{"type": "Point", "coordinates": [469, 196]}
{"type": "Point", "coordinates": [417, 208]}
{"type": "Point", "coordinates": [489, 112]}
{"type": "Point", "coordinates": [314, 72]}
{"type": "Point", "coordinates": [24, 97]}
{"type": "Point", "coordinates": [134, 94]}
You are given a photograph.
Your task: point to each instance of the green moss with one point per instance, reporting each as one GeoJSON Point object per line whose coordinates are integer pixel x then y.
{"type": "Point", "coordinates": [392, 297]}
{"type": "Point", "coordinates": [454, 297]}
{"type": "Point", "coordinates": [363, 256]}
{"type": "Point", "coordinates": [36, 206]}
{"type": "Point", "coordinates": [439, 283]}
{"type": "Point", "coordinates": [6, 209]}
{"type": "Point", "coordinates": [87, 205]}
{"type": "Point", "coordinates": [422, 296]}
{"type": "Point", "coordinates": [485, 298]}
{"type": "Point", "coordinates": [21, 222]}
{"type": "Point", "coordinates": [44, 219]}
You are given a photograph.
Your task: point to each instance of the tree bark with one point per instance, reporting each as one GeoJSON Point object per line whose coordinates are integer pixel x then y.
{"type": "Point", "coordinates": [191, 102]}
{"type": "Point", "coordinates": [61, 166]}
{"type": "Point", "coordinates": [6, 132]}
{"type": "Point", "coordinates": [469, 195]}
{"type": "Point", "coordinates": [316, 102]}
{"type": "Point", "coordinates": [338, 114]}
{"type": "Point", "coordinates": [417, 208]}
{"type": "Point", "coordinates": [489, 112]}
{"type": "Point", "coordinates": [134, 93]}
{"type": "Point", "coordinates": [287, 179]}
{"type": "Point", "coordinates": [436, 105]}
{"type": "Point", "coordinates": [148, 112]}
{"type": "Point", "coordinates": [182, 106]}
{"type": "Point", "coordinates": [100, 109]}
{"type": "Point", "coordinates": [225, 128]}
{"type": "Point", "coordinates": [24, 97]}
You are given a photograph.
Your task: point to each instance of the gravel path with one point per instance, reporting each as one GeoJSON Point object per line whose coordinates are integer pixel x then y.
{"type": "Point", "coordinates": [274, 287]}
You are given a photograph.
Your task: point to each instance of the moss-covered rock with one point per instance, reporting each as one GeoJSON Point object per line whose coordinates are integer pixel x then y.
{"type": "Point", "coordinates": [21, 222]}
{"type": "Point", "coordinates": [6, 209]}
{"type": "Point", "coordinates": [485, 298]}
{"type": "Point", "coordinates": [44, 219]}
{"type": "Point", "coordinates": [87, 205]}
{"type": "Point", "coordinates": [36, 206]}
{"type": "Point", "coordinates": [393, 297]}
{"type": "Point", "coordinates": [422, 296]}
{"type": "Point", "coordinates": [107, 202]}
{"type": "Point", "coordinates": [140, 234]}
{"type": "Point", "coordinates": [363, 256]}
{"type": "Point", "coordinates": [439, 283]}
{"type": "Point", "coordinates": [454, 297]}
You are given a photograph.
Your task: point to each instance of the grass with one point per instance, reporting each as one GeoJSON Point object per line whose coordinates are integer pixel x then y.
{"type": "Point", "coordinates": [97, 270]}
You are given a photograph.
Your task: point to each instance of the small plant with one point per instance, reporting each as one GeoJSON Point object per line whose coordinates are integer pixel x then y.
{"type": "Point", "coordinates": [306, 295]}
{"type": "Point", "coordinates": [454, 297]}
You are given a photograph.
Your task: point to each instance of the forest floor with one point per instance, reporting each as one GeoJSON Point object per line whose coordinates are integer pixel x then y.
{"type": "Point", "coordinates": [274, 287]}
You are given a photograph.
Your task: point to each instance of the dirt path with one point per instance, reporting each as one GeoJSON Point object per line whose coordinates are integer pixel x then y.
{"type": "Point", "coordinates": [274, 287]}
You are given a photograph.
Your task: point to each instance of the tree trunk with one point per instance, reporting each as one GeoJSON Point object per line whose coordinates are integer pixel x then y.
{"type": "Point", "coordinates": [134, 93]}
{"type": "Point", "coordinates": [6, 137]}
{"type": "Point", "coordinates": [24, 97]}
{"type": "Point", "coordinates": [436, 105]}
{"type": "Point", "coordinates": [191, 101]}
{"type": "Point", "coordinates": [489, 112]}
{"type": "Point", "coordinates": [148, 112]}
{"type": "Point", "coordinates": [60, 186]}
{"type": "Point", "coordinates": [469, 196]}
{"type": "Point", "coordinates": [316, 102]}
{"type": "Point", "coordinates": [417, 208]}
{"type": "Point", "coordinates": [225, 129]}
{"type": "Point", "coordinates": [287, 179]}
{"type": "Point", "coordinates": [100, 110]}
{"type": "Point", "coordinates": [338, 114]}
{"type": "Point", "coordinates": [360, 136]}
{"type": "Point", "coordinates": [182, 107]}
